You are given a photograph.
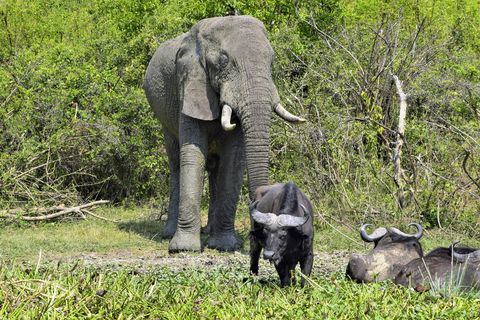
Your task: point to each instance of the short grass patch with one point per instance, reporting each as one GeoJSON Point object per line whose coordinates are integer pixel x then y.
{"type": "Point", "coordinates": [135, 230]}
{"type": "Point", "coordinates": [44, 273]}
{"type": "Point", "coordinates": [63, 291]}
{"type": "Point", "coordinates": [139, 230]}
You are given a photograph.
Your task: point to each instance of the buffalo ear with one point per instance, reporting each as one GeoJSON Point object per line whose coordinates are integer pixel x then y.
{"type": "Point", "coordinates": [197, 97]}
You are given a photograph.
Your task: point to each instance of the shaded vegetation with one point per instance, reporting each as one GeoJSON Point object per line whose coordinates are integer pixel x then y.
{"type": "Point", "coordinates": [75, 124]}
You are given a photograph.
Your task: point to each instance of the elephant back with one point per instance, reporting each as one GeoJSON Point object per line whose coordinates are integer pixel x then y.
{"type": "Point", "coordinates": [160, 84]}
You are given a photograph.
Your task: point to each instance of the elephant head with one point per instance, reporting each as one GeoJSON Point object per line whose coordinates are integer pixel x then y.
{"type": "Point", "coordinates": [224, 71]}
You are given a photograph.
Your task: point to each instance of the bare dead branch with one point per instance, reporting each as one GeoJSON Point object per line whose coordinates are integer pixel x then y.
{"type": "Point", "coordinates": [98, 217]}
{"type": "Point", "coordinates": [327, 37]}
{"type": "Point", "coordinates": [62, 212]}
{"type": "Point", "coordinates": [464, 166]}
{"type": "Point", "coordinates": [397, 152]}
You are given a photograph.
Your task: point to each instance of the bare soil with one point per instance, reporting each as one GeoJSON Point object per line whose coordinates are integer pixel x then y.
{"type": "Point", "coordinates": [141, 262]}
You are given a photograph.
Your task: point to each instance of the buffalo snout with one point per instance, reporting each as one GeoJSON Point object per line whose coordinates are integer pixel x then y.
{"type": "Point", "coordinates": [268, 254]}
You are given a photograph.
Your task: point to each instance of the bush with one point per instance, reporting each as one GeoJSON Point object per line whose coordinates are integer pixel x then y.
{"type": "Point", "coordinates": [75, 123]}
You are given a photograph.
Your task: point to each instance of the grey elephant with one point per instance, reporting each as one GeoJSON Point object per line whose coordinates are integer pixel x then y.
{"type": "Point", "coordinates": [212, 90]}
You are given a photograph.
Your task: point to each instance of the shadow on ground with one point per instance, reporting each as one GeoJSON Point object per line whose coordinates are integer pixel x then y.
{"type": "Point", "coordinates": [152, 230]}
{"type": "Point", "coordinates": [148, 228]}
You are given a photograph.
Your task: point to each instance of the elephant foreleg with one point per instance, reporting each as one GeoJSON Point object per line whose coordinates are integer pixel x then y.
{"type": "Point", "coordinates": [193, 148]}
{"type": "Point", "coordinates": [173, 152]}
{"type": "Point", "coordinates": [228, 183]}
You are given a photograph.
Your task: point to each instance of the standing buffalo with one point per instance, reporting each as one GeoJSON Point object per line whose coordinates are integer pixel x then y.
{"type": "Point", "coordinates": [392, 250]}
{"type": "Point", "coordinates": [459, 267]}
{"type": "Point", "coordinates": [282, 224]}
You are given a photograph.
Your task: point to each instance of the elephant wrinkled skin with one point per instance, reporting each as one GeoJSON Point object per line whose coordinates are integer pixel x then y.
{"type": "Point", "coordinates": [212, 90]}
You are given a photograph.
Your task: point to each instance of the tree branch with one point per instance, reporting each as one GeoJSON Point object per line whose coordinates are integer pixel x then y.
{"type": "Point", "coordinates": [464, 166]}
{"type": "Point", "coordinates": [397, 152]}
{"type": "Point", "coordinates": [62, 212]}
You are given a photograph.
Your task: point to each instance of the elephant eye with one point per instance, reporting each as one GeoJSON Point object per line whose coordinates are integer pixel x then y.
{"type": "Point", "coordinates": [222, 60]}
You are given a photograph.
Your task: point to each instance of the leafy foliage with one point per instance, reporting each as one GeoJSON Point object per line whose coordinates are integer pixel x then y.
{"type": "Point", "coordinates": [75, 124]}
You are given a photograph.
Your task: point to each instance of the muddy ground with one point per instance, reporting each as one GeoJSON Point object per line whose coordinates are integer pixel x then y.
{"type": "Point", "coordinates": [324, 263]}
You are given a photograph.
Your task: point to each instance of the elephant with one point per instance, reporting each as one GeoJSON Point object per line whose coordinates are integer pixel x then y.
{"type": "Point", "coordinates": [212, 90]}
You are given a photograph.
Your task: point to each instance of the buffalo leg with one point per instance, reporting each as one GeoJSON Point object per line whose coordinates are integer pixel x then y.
{"type": "Point", "coordinates": [306, 266]}
{"type": "Point", "coordinates": [284, 273]}
{"type": "Point", "coordinates": [255, 249]}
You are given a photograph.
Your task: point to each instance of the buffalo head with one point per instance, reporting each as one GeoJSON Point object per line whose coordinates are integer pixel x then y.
{"type": "Point", "coordinates": [392, 250]}
{"type": "Point", "coordinates": [280, 231]}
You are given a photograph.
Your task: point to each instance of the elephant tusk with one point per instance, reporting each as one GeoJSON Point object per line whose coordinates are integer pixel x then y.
{"type": "Point", "coordinates": [285, 115]}
{"type": "Point", "coordinates": [226, 117]}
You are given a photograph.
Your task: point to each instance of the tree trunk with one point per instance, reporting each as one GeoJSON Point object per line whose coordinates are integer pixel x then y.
{"type": "Point", "coordinates": [397, 152]}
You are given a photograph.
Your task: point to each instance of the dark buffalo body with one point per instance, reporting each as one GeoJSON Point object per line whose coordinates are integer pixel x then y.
{"type": "Point", "coordinates": [282, 225]}
{"type": "Point", "coordinates": [455, 266]}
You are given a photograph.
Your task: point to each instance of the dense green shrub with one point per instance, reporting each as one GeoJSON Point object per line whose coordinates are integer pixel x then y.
{"type": "Point", "coordinates": [75, 124]}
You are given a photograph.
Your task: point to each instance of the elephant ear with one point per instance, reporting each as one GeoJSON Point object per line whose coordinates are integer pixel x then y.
{"type": "Point", "coordinates": [197, 98]}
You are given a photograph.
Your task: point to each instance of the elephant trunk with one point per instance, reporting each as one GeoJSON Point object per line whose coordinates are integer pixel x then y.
{"type": "Point", "coordinates": [255, 124]}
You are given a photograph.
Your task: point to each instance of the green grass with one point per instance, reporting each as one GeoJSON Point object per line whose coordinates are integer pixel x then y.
{"type": "Point", "coordinates": [59, 292]}
{"type": "Point", "coordinates": [34, 283]}
{"type": "Point", "coordinates": [138, 230]}
{"type": "Point", "coordinates": [135, 230]}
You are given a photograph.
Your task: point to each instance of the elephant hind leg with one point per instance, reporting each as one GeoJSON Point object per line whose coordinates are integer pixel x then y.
{"type": "Point", "coordinates": [212, 169]}
{"type": "Point", "coordinates": [173, 153]}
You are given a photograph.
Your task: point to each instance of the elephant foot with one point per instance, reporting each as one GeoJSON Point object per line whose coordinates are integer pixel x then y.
{"type": "Point", "coordinates": [169, 229]}
{"type": "Point", "coordinates": [225, 242]}
{"type": "Point", "coordinates": [183, 241]}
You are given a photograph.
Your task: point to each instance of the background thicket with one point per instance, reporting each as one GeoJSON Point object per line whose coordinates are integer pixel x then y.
{"type": "Point", "coordinates": [75, 125]}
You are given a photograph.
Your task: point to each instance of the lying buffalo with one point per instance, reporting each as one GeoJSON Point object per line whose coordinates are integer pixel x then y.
{"type": "Point", "coordinates": [398, 256]}
{"type": "Point", "coordinates": [392, 250]}
{"type": "Point", "coordinates": [459, 267]}
{"type": "Point", "coordinates": [282, 224]}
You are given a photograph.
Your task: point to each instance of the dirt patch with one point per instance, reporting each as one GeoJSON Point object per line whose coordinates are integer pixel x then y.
{"type": "Point", "coordinates": [324, 263]}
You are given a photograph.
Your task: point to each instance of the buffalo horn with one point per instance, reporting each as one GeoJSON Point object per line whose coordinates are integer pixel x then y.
{"type": "Point", "coordinates": [287, 220]}
{"type": "Point", "coordinates": [267, 219]}
{"type": "Point", "coordinates": [374, 236]}
{"type": "Point", "coordinates": [473, 257]}
{"type": "Point", "coordinates": [226, 117]}
{"type": "Point", "coordinates": [285, 115]}
{"type": "Point", "coordinates": [417, 235]}
{"type": "Point", "coordinates": [253, 205]}
{"type": "Point", "coordinates": [305, 211]}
